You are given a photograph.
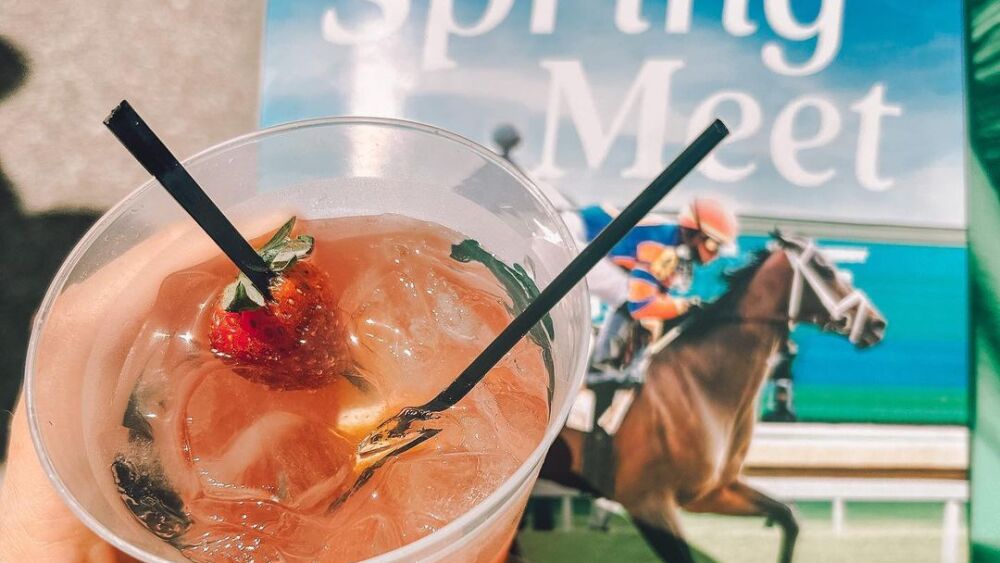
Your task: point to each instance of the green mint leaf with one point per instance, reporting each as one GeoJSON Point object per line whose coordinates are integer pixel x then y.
{"type": "Point", "coordinates": [242, 295]}
{"type": "Point", "coordinates": [522, 291]}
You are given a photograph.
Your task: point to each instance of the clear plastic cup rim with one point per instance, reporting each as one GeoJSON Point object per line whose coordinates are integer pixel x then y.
{"type": "Point", "coordinates": [409, 551]}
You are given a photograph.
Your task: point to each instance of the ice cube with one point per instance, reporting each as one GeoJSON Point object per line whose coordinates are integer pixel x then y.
{"type": "Point", "coordinates": [374, 534]}
{"type": "Point", "coordinates": [248, 526]}
{"type": "Point", "coordinates": [222, 544]}
{"type": "Point", "coordinates": [451, 314]}
{"type": "Point", "coordinates": [282, 454]}
{"type": "Point", "coordinates": [444, 485]}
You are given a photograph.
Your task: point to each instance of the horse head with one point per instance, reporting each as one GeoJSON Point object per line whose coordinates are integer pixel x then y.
{"type": "Point", "coordinates": [824, 295]}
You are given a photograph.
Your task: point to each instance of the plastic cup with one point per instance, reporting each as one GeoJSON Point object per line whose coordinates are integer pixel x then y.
{"type": "Point", "coordinates": [319, 169]}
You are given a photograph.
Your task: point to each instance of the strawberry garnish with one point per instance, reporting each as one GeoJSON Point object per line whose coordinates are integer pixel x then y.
{"type": "Point", "coordinates": [295, 340]}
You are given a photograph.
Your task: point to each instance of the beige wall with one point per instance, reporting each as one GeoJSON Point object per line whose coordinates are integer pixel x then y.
{"type": "Point", "coordinates": [190, 67]}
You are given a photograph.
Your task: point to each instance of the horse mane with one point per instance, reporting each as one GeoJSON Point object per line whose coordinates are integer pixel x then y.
{"type": "Point", "coordinates": [721, 309]}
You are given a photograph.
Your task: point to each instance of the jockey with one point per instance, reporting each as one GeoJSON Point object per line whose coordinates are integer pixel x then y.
{"type": "Point", "coordinates": [649, 266]}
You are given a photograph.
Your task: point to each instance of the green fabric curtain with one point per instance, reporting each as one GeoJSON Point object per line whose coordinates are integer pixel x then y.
{"type": "Point", "coordinates": [983, 71]}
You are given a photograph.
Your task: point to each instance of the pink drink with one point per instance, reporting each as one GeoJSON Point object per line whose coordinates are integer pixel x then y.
{"type": "Point", "coordinates": [228, 469]}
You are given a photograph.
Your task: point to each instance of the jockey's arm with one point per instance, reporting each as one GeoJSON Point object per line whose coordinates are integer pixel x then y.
{"type": "Point", "coordinates": [609, 283]}
{"type": "Point", "coordinates": [648, 300]}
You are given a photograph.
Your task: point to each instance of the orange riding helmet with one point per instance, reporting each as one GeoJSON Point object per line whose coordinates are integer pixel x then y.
{"type": "Point", "coordinates": [713, 219]}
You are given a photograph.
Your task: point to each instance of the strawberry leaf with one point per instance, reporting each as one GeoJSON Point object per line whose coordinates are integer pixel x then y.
{"type": "Point", "coordinates": [284, 257]}
{"type": "Point", "coordinates": [242, 295]}
{"type": "Point", "coordinates": [280, 253]}
{"type": "Point", "coordinates": [279, 238]}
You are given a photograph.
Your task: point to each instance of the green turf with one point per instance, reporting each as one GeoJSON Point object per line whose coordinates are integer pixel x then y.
{"type": "Point", "coordinates": [875, 532]}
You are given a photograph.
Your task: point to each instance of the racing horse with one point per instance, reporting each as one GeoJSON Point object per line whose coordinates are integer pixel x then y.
{"type": "Point", "coordinates": [683, 441]}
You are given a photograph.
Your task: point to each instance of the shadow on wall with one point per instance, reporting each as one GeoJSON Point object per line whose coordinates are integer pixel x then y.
{"type": "Point", "coordinates": [31, 249]}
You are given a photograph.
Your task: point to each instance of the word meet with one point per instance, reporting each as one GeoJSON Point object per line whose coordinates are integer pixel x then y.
{"type": "Point", "coordinates": [647, 99]}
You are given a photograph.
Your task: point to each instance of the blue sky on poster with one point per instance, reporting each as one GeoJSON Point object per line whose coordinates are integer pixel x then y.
{"type": "Point", "coordinates": [499, 78]}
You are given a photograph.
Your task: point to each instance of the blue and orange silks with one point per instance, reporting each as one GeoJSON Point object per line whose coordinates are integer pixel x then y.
{"type": "Point", "coordinates": [648, 297]}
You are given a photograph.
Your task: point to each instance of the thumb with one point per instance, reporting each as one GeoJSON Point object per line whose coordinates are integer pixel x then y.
{"type": "Point", "coordinates": [35, 524]}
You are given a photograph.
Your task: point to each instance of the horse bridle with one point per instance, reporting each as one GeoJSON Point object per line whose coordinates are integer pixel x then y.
{"type": "Point", "coordinates": [848, 314]}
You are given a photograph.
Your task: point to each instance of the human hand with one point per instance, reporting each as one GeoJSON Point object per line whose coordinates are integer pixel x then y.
{"type": "Point", "coordinates": [35, 524]}
{"type": "Point", "coordinates": [688, 304]}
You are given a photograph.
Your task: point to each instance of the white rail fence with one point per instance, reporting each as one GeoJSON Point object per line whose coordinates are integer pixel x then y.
{"type": "Point", "coordinates": [855, 461]}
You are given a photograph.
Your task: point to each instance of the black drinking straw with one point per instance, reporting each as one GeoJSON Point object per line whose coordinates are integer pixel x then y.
{"type": "Point", "coordinates": [154, 156]}
{"type": "Point", "coordinates": [396, 435]}
{"type": "Point", "coordinates": [578, 268]}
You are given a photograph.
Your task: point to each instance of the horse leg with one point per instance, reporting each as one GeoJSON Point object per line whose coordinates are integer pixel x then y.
{"type": "Point", "coordinates": [562, 463]}
{"type": "Point", "coordinates": [667, 544]}
{"type": "Point", "coordinates": [658, 523]}
{"type": "Point", "coordinates": [739, 499]}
